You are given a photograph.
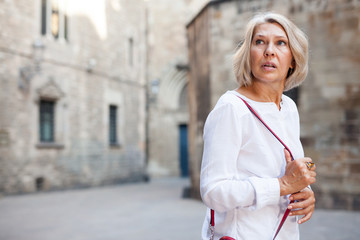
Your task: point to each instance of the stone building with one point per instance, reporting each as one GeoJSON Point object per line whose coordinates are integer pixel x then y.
{"type": "Point", "coordinates": [167, 76]}
{"type": "Point", "coordinates": [328, 101]}
{"type": "Point", "coordinates": [72, 93]}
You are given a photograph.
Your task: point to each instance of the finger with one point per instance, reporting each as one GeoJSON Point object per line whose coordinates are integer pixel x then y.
{"type": "Point", "coordinates": [302, 199]}
{"type": "Point", "coordinates": [309, 160]}
{"type": "Point", "coordinates": [312, 174]}
{"type": "Point", "coordinates": [307, 192]}
{"type": "Point", "coordinates": [306, 217]}
{"type": "Point", "coordinates": [301, 205]}
{"type": "Point", "coordinates": [305, 159]}
{"type": "Point", "coordinates": [312, 178]}
{"type": "Point", "coordinates": [301, 164]}
{"type": "Point", "coordinates": [298, 196]}
{"type": "Point", "coordinates": [287, 156]}
{"type": "Point", "coordinates": [313, 168]}
{"type": "Point", "coordinates": [302, 211]}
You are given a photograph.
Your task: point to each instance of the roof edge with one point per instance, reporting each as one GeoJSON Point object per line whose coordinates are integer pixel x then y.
{"type": "Point", "coordinates": [212, 2]}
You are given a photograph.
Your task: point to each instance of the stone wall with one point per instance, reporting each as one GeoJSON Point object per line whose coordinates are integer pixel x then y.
{"type": "Point", "coordinates": [328, 99]}
{"type": "Point", "coordinates": [167, 76]}
{"type": "Point", "coordinates": [199, 40]}
{"type": "Point", "coordinates": [84, 75]}
{"type": "Point", "coordinates": [329, 104]}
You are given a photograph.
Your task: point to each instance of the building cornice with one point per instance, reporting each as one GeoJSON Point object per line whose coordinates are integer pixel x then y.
{"type": "Point", "coordinates": [210, 3]}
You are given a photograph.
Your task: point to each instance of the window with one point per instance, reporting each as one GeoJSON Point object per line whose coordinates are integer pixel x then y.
{"type": "Point", "coordinates": [113, 125]}
{"type": "Point", "coordinates": [54, 19]}
{"type": "Point", "coordinates": [47, 121]}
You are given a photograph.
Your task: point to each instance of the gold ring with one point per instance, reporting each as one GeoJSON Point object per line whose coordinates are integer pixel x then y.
{"type": "Point", "coordinates": [309, 165]}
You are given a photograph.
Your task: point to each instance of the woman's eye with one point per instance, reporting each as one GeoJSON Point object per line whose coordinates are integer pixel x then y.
{"type": "Point", "coordinates": [282, 43]}
{"type": "Point", "coordinates": [257, 42]}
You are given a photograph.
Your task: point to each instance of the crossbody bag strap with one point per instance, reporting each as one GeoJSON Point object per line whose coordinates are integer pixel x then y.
{"type": "Point", "coordinates": [286, 214]}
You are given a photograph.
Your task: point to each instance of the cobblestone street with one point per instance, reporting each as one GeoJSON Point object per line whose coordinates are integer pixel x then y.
{"type": "Point", "coordinates": [137, 211]}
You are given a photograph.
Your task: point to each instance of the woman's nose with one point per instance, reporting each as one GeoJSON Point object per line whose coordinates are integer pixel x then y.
{"type": "Point", "coordinates": [269, 51]}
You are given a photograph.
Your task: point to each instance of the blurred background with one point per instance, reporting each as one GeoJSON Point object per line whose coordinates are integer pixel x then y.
{"type": "Point", "coordinates": [101, 92]}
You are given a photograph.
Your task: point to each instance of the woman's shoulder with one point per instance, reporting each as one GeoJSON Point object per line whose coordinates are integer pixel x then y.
{"type": "Point", "coordinates": [229, 104]}
{"type": "Point", "coordinates": [232, 100]}
{"type": "Point", "coordinates": [228, 110]}
{"type": "Point", "coordinates": [289, 102]}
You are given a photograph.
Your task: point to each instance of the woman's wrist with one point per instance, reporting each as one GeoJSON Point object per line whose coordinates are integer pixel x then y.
{"type": "Point", "coordinates": [284, 190]}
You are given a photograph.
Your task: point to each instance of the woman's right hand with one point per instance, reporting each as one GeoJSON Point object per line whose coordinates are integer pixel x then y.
{"type": "Point", "coordinates": [297, 175]}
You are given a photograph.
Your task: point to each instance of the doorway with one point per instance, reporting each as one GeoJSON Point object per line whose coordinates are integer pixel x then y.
{"type": "Point", "coordinates": [183, 150]}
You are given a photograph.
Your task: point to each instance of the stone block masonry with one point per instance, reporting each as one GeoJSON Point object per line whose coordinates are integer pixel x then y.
{"type": "Point", "coordinates": [88, 68]}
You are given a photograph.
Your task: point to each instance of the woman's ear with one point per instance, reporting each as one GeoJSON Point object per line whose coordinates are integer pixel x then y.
{"type": "Point", "coordinates": [293, 64]}
{"type": "Point", "coordinates": [290, 71]}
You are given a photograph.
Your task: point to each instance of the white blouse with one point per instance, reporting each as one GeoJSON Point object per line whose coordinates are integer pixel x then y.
{"type": "Point", "coordinates": [241, 164]}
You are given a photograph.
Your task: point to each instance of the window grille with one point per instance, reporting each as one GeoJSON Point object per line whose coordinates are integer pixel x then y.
{"type": "Point", "coordinates": [47, 116]}
{"type": "Point", "coordinates": [113, 124]}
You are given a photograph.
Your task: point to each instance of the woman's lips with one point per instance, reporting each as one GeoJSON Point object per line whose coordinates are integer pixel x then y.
{"type": "Point", "coordinates": [268, 66]}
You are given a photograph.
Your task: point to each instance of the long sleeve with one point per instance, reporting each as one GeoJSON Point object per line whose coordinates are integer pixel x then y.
{"type": "Point", "coordinates": [241, 164]}
{"type": "Point", "coordinates": [222, 187]}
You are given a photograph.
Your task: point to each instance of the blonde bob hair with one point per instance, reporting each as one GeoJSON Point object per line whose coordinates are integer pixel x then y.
{"type": "Point", "coordinates": [298, 46]}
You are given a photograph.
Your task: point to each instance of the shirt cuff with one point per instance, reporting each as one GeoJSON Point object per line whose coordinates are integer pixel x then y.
{"type": "Point", "coordinates": [267, 191]}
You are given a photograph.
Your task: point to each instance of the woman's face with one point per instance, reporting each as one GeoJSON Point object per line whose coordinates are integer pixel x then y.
{"type": "Point", "coordinates": [270, 54]}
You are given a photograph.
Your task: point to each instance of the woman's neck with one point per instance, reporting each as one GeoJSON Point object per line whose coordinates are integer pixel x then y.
{"type": "Point", "coordinates": [262, 93]}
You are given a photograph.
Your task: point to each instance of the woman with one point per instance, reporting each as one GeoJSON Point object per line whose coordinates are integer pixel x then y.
{"type": "Point", "coordinates": [247, 177]}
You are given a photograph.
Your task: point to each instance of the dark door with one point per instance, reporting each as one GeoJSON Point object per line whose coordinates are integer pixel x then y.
{"type": "Point", "coordinates": [184, 165]}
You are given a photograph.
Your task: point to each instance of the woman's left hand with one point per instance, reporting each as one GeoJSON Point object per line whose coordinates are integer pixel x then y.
{"type": "Point", "coordinates": [304, 204]}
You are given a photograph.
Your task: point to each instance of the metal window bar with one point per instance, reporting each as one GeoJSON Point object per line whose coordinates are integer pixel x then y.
{"type": "Point", "coordinates": [43, 17]}
{"type": "Point", "coordinates": [47, 121]}
{"type": "Point", "coordinates": [112, 124]}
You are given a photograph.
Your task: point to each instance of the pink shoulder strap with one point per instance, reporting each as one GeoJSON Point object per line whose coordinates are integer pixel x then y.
{"type": "Point", "coordinates": [286, 214]}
